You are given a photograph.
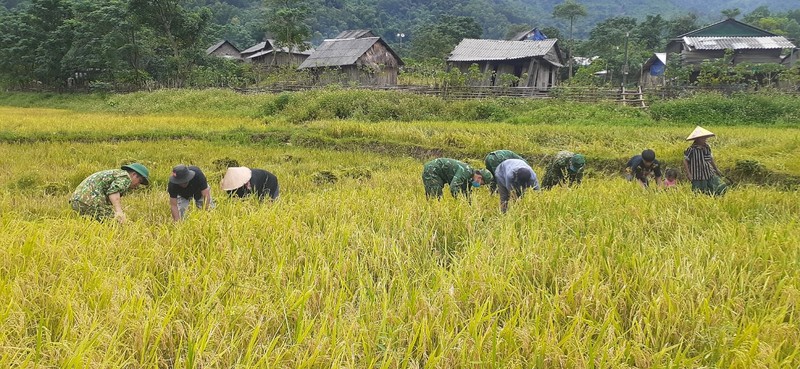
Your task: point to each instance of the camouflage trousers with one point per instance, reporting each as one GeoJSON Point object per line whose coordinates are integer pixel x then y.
{"type": "Point", "coordinates": [98, 212]}
{"type": "Point", "coordinates": [432, 181]}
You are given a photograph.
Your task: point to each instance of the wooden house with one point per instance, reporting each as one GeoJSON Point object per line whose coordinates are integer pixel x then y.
{"type": "Point", "coordinates": [653, 70]}
{"type": "Point", "coordinates": [265, 53]}
{"type": "Point", "coordinates": [224, 49]}
{"type": "Point", "coordinates": [366, 60]}
{"type": "Point", "coordinates": [748, 44]}
{"type": "Point", "coordinates": [535, 63]}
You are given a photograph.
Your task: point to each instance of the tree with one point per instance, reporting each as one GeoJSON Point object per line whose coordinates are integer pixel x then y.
{"type": "Point", "coordinates": [183, 31]}
{"type": "Point", "coordinates": [731, 13]}
{"type": "Point", "coordinates": [682, 24]}
{"type": "Point", "coordinates": [436, 40]}
{"type": "Point", "coordinates": [652, 32]}
{"type": "Point", "coordinates": [569, 10]}
{"type": "Point", "coordinates": [287, 23]}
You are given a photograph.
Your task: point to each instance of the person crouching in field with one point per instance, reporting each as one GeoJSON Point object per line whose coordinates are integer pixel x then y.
{"type": "Point", "coordinates": [460, 176]}
{"type": "Point", "coordinates": [514, 175]}
{"type": "Point", "coordinates": [641, 167]}
{"type": "Point", "coordinates": [185, 184]}
{"type": "Point", "coordinates": [699, 164]}
{"type": "Point", "coordinates": [99, 195]}
{"type": "Point", "coordinates": [493, 159]}
{"type": "Point", "coordinates": [565, 167]}
{"type": "Point", "coordinates": [671, 178]}
{"type": "Point", "coordinates": [243, 181]}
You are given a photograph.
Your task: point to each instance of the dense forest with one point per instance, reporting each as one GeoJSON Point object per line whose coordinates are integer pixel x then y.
{"type": "Point", "coordinates": [140, 41]}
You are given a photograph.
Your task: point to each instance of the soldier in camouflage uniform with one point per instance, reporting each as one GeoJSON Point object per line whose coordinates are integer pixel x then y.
{"type": "Point", "coordinates": [493, 160]}
{"type": "Point", "coordinates": [565, 166]}
{"type": "Point", "coordinates": [460, 176]}
{"type": "Point", "coordinates": [98, 196]}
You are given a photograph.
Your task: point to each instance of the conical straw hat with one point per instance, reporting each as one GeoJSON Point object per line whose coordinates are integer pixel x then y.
{"type": "Point", "coordinates": [235, 177]}
{"type": "Point", "coordinates": [699, 132]}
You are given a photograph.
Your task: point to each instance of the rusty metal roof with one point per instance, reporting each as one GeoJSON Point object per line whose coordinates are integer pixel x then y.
{"type": "Point", "coordinates": [479, 50]}
{"type": "Point", "coordinates": [738, 43]}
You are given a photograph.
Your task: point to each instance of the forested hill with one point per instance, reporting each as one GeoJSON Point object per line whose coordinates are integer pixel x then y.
{"type": "Point", "coordinates": [136, 42]}
{"type": "Point", "coordinates": [242, 21]}
{"type": "Point", "coordinates": [497, 17]}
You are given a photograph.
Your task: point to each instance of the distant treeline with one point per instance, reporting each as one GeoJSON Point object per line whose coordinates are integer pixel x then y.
{"type": "Point", "coordinates": [134, 44]}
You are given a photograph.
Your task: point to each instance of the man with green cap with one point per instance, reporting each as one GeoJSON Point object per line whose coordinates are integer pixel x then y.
{"type": "Point", "coordinates": [460, 176]}
{"type": "Point", "coordinates": [565, 166]}
{"type": "Point", "coordinates": [493, 159]}
{"type": "Point", "coordinates": [99, 195]}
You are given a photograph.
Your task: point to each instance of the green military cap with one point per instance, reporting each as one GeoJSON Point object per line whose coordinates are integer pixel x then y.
{"type": "Point", "coordinates": [576, 163]}
{"type": "Point", "coordinates": [141, 169]}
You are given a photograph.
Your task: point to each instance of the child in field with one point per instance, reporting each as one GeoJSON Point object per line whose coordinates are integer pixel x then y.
{"type": "Point", "coordinates": [671, 178]}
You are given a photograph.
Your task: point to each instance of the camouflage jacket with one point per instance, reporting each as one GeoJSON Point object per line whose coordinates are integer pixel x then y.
{"type": "Point", "coordinates": [94, 190]}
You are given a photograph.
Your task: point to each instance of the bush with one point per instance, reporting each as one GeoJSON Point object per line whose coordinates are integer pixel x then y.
{"type": "Point", "coordinates": [741, 108]}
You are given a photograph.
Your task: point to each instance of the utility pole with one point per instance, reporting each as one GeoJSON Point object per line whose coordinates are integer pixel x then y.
{"type": "Point", "coordinates": [625, 67]}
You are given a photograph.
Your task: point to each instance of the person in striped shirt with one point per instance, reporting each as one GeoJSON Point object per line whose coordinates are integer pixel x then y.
{"type": "Point", "coordinates": [699, 164]}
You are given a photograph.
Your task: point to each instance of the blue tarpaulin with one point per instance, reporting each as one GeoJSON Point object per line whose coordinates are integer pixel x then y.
{"type": "Point", "coordinates": [657, 69]}
{"type": "Point", "coordinates": [537, 35]}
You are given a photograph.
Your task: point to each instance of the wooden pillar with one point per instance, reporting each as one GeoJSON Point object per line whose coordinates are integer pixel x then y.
{"type": "Point", "coordinates": [530, 73]}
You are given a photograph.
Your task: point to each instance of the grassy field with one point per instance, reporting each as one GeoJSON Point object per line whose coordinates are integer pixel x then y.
{"type": "Point", "coordinates": [363, 271]}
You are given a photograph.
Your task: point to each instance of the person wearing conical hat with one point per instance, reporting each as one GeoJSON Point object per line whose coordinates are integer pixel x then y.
{"type": "Point", "coordinates": [187, 183]}
{"type": "Point", "coordinates": [459, 175]}
{"type": "Point", "coordinates": [566, 166]}
{"type": "Point", "coordinates": [699, 164]}
{"type": "Point", "coordinates": [243, 181]}
{"type": "Point", "coordinates": [100, 195]}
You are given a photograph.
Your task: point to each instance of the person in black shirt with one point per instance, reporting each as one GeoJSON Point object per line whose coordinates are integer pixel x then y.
{"type": "Point", "coordinates": [643, 166]}
{"type": "Point", "coordinates": [187, 183]}
{"type": "Point", "coordinates": [243, 181]}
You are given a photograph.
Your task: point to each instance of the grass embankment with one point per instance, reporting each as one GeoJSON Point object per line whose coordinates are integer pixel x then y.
{"type": "Point", "coordinates": [362, 271]}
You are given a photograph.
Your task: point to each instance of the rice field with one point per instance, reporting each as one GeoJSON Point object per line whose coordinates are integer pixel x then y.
{"type": "Point", "coordinates": [364, 272]}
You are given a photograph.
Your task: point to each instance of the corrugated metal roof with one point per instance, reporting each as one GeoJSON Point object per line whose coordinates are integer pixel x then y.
{"type": "Point", "coordinates": [214, 47]}
{"type": "Point", "coordinates": [263, 48]}
{"type": "Point", "coordinates": [355, 33]}
{"type": "Point", "coordinates": [477, 50]}
{"type": "Point", "coordinates": [255, 48]}
{"type": "Point", "coordinates": [339, 52]}
{"type": "Point", "coordinates": [737, 43]}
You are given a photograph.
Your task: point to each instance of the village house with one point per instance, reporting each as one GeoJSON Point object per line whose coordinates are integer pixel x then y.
{"type": "Point", "coordinates": [224, 49]}
{"type": "Point", "coordinates": [748, 44]}
{"type": "Point", "coordinates": [367, 60]}
{"type": "Point", "coordinates": [653, 71]}
{"type": "Point", "coordinates": [265, 53]}
{"type": "Point", "coordinates": [534, 63]}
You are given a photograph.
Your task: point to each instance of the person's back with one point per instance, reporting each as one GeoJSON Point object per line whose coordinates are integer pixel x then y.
{"type": "Point", "coordinates": [265, 184]}
{"type": "Point", "coordinates": [514, 175]}
{"type": "Point", "coordinates": [565, 166]}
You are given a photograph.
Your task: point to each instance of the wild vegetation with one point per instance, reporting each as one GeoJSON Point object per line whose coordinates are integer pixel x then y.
{"type": "Point", "coordinates": [124, 45]}
{"type": "Point", "coordinates": [353, 267]}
